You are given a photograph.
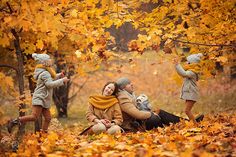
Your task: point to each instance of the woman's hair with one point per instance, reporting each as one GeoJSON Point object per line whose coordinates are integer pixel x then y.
{"type": "Point", "coordinates": [115, 90]}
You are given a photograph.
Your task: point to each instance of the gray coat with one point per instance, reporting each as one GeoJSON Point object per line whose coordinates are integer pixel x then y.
{"type": "Point", "coordinates": [189, 88]}
{"type": "Point", "coordinates": [43, 92]}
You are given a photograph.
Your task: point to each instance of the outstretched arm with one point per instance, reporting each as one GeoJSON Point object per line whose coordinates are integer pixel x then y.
{"type": "Point", "coordinates": [182, 72]}
{"type": "Point", "coordinates": [49, 82]}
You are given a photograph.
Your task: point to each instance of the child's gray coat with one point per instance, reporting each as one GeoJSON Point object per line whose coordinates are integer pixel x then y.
{"type": "Point", "coordinates": [189, 88]}
{"type": "Point", "coordinates": [43, 92]}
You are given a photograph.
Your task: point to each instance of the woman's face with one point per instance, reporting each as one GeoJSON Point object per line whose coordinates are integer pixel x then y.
{"type": "Point", "coordinates": [109, 89]}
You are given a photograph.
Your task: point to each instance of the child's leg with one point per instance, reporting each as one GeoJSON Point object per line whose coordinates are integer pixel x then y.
{"type": "Point", "coordinates": [188, 108]}
{"type": "Point", "coordinates": [36, 111]}
{"type": "Point", "coordinates": [47, 118]}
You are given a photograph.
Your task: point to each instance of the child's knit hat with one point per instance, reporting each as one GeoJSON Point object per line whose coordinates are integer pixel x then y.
{"type": "Point", "coordinates": [41, 58]}
{"type": "Point", "coordinates": [122, 82]}
{"type": "Point", "coordinates": [194, 58]}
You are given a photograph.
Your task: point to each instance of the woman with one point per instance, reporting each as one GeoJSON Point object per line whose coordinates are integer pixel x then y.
{"type": "Point", "coordinates": [104, 111]}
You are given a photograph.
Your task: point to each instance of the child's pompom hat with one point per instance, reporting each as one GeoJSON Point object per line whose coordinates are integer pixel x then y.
{"type": "Point", "coordinates": [41, 58]}
{"type": "Point", "coordinates": [194, 58]}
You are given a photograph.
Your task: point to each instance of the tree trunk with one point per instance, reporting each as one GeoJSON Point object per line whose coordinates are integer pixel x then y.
{"type": "Point", "coordinates": [60, 97]}
{"type": "Point", "coordinates": [60, 94]}
{"type": "Point", "coordinates": [20, 75]}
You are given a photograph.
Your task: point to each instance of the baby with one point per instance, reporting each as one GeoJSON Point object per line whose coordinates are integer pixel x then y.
{"type": "Point", "coordinates": [143, 103]}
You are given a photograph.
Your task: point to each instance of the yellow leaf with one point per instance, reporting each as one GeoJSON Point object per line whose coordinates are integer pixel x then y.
{"type": "Point", "coordinates": [39, 44]}
{"type": "Point", "coordinates": [53, 111]}
{"type": "Point", "coordinates": [222, 59]}
{"type": "Point", "coordinates": [4, 41]}
{"type": "Point", "coordinates": [78, 53]}
{"type": "Point", "coordinates": [167, 1]}
{"type": "Point", "coordinates": [74, 13]}
{"type": "Point", "coordinates": [7, 19]}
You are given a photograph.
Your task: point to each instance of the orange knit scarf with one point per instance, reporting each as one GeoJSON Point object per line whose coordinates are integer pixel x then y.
{"type": "Point", "coordinates": [49, 69]}
{"type": "Point", "coordinates": [102, 102]}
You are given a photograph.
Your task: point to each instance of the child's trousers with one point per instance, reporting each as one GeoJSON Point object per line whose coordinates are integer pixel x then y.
{"type": "Point", "coordinates": [37, 110]}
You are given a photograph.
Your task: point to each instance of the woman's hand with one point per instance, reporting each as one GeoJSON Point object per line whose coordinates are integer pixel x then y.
{"type": "Point", "coordinates": [106, 122]}
{"type": "Point", "coordinates": [97, 121]}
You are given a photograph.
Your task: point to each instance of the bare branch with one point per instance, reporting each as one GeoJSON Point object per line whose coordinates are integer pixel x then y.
{"type": "Point", "coordinates": [9, 66]}
{"type": "Point", "coordinates": [193, 43]}
{"type": "Point", "coordinates": [81, 86]}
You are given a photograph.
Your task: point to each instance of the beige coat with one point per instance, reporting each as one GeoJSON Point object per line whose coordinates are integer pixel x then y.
{"type": "Point", "coordinates": [130, 111]}
{"type": "Point", "coordinates": [113, 114]}
{"type": "Point", "coordinates": [189, 88]}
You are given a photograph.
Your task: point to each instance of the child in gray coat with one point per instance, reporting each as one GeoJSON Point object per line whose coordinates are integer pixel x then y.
{"type": "Point", "coordinates": [47, 79]}
{"type": "Point", "coordinates": [189, 72]}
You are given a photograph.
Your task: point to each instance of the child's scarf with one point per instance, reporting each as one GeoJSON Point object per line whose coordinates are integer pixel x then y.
{"type": "Point", "coordinates": [102, 102]}
{"type": "Point", "coordinates": [49, 69]}
{"type": "Point", "coordinates": [194, 67]}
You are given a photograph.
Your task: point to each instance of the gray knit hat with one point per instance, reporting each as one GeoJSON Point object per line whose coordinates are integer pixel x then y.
{"type": "Point", "coordinates": [122, 82]}
{"type": "Point", "coordinates": [40, 58]}
{"type": "Point", "coordinates": [194, 58]}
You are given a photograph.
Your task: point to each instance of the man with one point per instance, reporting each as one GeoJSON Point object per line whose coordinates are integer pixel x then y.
{"type": "Point", "coordinates": [135, 119]}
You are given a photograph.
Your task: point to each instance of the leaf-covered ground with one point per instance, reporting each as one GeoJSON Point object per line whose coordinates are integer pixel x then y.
{"type": "Point", "coordinates": [214, 136]}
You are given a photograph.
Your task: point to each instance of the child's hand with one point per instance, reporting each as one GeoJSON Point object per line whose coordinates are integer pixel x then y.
{"type": "Point", "coordinates": [65, 80]}
{"type": "Point", "coordinates": [175, 60]}
{"type": "Point", "coordinates": [62, 74]}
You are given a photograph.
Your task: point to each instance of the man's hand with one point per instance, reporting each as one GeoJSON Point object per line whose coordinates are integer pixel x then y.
{"type": "Point", "coordinates": [156, 111]}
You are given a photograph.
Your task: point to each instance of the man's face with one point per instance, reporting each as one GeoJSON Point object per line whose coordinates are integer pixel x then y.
{"type": "Point", "coordinates": [129, 88]}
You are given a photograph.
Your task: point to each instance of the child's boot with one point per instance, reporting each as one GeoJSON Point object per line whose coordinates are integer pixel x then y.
{"type": "Point", "coordinates": [12, 123]}
{"type": "Point", "coordinates": [199, 118]}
